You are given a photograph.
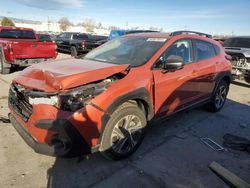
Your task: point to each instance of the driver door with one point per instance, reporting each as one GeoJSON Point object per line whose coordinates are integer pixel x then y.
{"type": "Point", "coordinates": [175, 90]}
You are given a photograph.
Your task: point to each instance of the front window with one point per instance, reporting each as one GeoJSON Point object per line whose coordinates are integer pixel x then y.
{"type": "Point", "coordinates": [127, 50]}
{"type": "Point", "coordinates": [180, 48]}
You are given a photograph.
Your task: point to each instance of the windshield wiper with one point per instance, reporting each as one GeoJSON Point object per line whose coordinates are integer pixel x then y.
{"type": "Point", "coordinates": [100, 60]}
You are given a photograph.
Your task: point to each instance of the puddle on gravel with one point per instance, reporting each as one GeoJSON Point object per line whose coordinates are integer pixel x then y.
{"type": "Point", "coordinates": [3, 97]}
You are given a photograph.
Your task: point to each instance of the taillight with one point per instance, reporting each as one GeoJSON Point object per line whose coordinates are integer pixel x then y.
{"type": "Point", "coordinates": [83, 43]}
{"type": "Point", "coordinates": [9, 48]}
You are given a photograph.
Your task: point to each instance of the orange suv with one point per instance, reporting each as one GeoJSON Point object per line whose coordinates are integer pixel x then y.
{"type": "Point", "coordinates": [104, 101]}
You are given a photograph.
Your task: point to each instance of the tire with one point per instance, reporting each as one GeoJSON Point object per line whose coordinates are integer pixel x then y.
{"type": "Point", "coordinates": [73, 51]}
{"type": "Point", "coordinates": [3, 68]}
{"type": "Point", "coordinates": [219, 98]}
{"type": "Point", "coordinates": [124, 132]}
{"type": "Point", "coordinates": [247, 79]}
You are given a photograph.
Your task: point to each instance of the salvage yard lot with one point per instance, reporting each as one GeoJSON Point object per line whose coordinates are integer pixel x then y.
{"type": "Point", "coordinates": [171, 155]}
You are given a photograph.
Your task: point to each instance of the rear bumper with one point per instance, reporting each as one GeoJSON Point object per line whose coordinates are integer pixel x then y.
{"type": "Point", "coordinates": [66, 142]}
{"type": "Point", "coordinates": [28, 62]}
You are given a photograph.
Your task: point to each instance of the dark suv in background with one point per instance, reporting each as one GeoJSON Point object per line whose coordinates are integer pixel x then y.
{"type": "Point", "coordinates": [239, 49]}
{"type": "Point", "coordinates": [77, 43]}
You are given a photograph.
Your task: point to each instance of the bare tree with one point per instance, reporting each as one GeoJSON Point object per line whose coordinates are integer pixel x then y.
{"type": "Point", "coordinates": [156, 29]}
{"type": "Point", "coordinates": [99, 26]}
{"type": "Point", "coordinates": [64, 24]}
{"type": "Point", "coordinates": [7, 22]}
{"type": "Point", "coordinates": [89, 24]}
{"type": "Point", "coordinates": [112, 27]}
{"type": "Point", "coordinates": [134, 27]}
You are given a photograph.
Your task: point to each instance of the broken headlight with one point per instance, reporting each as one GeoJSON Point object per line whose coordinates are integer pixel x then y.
{"type": "Point", "coordinates": [73, 99]}
{"type": "Point", "coordinates": [79, 97]}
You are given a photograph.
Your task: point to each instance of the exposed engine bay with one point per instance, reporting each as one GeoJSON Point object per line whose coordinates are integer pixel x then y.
{"type": "Point", "coordinates": [239, 49]}
{"type": "Point", "coordinates": [240, 66]}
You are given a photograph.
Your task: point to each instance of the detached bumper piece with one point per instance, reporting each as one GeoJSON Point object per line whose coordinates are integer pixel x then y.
{"type": "Point", "coordinates": [66, 142]}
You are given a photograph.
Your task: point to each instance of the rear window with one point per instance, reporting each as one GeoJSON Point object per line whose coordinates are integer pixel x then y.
{"type": "Point", "coordinates": [237, 42]}
{"type": "Point", "coordinates": [80, 36]}
{"type": "Point", "coordinates": [17, 34]}
{"type": "Point", "coordinates": [204, 50]}
{"type": "Point", "coordinates": [44, 38]}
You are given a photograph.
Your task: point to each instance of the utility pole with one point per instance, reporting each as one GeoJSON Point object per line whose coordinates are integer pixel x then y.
{"type": "Point", "coordinates": [48, 24]}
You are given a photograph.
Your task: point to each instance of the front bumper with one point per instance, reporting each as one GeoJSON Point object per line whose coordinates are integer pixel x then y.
{"type": "Point", "coordinates": [66, 140]}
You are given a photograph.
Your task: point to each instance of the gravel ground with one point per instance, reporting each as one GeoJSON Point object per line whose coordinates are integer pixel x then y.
{"type": "Point", "coordinates": [171, 155]}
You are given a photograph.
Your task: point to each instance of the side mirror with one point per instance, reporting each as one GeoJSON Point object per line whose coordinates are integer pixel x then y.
{"type": "Point", "coordinates": [173, 63]}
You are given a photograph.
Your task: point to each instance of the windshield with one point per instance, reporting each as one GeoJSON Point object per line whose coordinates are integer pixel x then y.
{"type": "Point", "coordinates": [237, 42]}
{"type": "Point", "coordinates": [17, 34]}
{"type": "Point", "coordinates": [127, 50]}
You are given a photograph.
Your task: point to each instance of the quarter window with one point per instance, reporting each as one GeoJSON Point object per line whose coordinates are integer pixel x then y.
{"type": "Point", "coordinates": [204, 50]}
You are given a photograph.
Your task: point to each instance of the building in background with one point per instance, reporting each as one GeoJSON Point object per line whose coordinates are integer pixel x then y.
{"type": "Point", "coordinates": [53, 27]}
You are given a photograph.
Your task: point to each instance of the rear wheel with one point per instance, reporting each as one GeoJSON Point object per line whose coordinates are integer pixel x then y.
{"type": "Point", "coordinates": [219, 98]}
{"type": "Point", "coordinates": [247, 78]}
{"type": "Point", "coordinates": [73, 51]}
{"type": "Point", "coordinates": [124, 132]}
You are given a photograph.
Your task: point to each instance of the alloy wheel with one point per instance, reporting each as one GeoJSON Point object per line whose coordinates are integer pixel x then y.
{"type": "Point", "coordinates": [220, 96]}
{"type": "Point", "coordinates": [126, 134]}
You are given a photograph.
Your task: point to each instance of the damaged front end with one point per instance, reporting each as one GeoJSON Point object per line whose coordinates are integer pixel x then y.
{"type": "Point", "coordinates": [54, 137]}
{"type": "Point", "coordinates": [22, 99]}
{"type": "Point", "coordinates": [240, 66]}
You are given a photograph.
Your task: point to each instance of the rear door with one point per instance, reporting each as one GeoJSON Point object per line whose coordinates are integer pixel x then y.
{"type": "Point", "coordinates": [175, 90]}
{"type": "Point", "coordinates": [206, 60]}
{"type": "Point", "coordinates": [62, 41]}
{"type": "Point", "coordinates": [66, 41]}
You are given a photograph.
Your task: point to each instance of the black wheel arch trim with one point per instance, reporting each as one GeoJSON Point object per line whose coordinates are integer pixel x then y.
{"type": "Point", "coordinates": [141, 94]}
{"type": "Point", "coordinates": [220, 76]}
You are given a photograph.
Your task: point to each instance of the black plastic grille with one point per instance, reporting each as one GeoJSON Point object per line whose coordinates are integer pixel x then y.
{"type": "Point", "coordinates": [19, 103]}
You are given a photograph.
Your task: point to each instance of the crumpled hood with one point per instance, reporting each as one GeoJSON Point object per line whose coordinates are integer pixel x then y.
{"type": "Point", "coordinates": [64, 74]}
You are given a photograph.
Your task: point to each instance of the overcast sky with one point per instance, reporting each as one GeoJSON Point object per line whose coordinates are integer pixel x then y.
{"type": "Point", "coordinates": [214, 16]}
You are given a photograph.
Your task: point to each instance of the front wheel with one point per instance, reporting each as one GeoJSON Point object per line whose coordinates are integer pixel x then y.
{"type": "Point", "coordinates": [73, 51]}
{"type": "Point", "coordinates": [124, 132]}
{"type": "Point", "coordinates": [219, 98]}
{"type": "Point", "coordinates": [247, 78]}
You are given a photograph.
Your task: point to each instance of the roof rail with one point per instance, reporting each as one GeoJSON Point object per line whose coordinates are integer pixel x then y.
{"type": "Point", "coordinates": [190, 32]}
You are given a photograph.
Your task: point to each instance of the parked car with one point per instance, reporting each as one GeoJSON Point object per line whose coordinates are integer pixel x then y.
{"type": "Point", "coordinates": [21, 47]}
{"type": "Point", "coordinates": [121, 32]}
{"type": "Point", "coordinates": [101, 39]}
{"type": "Point", "coordinates": [76, 43]}
{"type": "Point", "coordinates": [239, 49]}
{"type": "Point", "coordinates": [103, 101]}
